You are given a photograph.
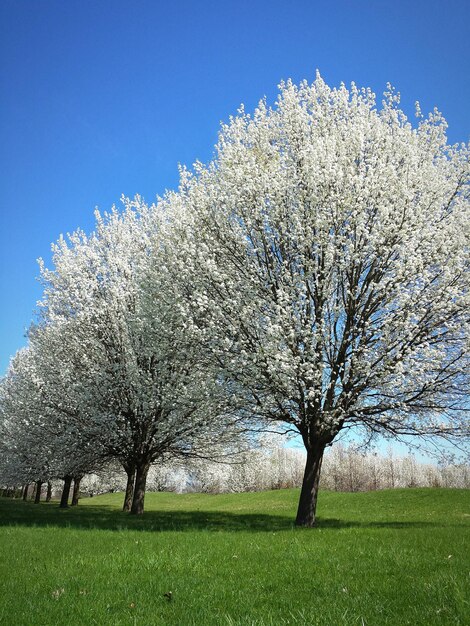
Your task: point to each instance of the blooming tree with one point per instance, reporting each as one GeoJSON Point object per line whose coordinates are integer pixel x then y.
{"type": "Point", "coordinates": [325, 262]}
{"type": "Point", "coordinates": [37, 441]}
{"type": "Point", "coordinates": [138, 376]}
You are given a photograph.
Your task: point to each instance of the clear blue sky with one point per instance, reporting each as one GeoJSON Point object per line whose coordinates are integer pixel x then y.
{"type": "Point", "coordinates": [104, 97]}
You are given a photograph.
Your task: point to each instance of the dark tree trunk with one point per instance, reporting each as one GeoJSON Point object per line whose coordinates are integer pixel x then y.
{"type": "Point", "coordinates": [308, 495]}
{"type": "Point", "coordinates": [129, 495]}
{"type": "Point", "coordinates": [49, 491]}
{"type": "Point", "coordinates": [76, 489]}
{"type": "Point", "coordinates": [139, 490]}
{"type": "Point", "coordinates": [64, 500]}
{"type": "Point", "coordinates": [37, 497]}
{"type": "Point", "coordinates": [25, 492]}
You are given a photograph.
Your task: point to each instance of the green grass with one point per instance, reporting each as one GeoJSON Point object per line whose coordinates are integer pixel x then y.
{"type": "Point", "coordinates": [391, 557]}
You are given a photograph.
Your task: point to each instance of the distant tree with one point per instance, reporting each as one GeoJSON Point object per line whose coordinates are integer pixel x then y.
{"type": "Point", "coordinates": [36, 435]}
{"type": "Point", "coordinates": [324, 255]}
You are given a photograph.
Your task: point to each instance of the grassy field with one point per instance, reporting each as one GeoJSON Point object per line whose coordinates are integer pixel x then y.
{"type": "Point", "coordinates": [391, 557]}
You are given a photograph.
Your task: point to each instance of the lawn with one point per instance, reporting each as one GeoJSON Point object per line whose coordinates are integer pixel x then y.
{"type": "Point", "coordinates": [391, 557]}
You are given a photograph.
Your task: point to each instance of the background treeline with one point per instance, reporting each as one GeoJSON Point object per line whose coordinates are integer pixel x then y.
{"type": "Point", "coordinates": [278, 467]}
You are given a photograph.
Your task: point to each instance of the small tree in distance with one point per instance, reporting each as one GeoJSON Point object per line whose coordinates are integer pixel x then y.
{"type": "Point", "coordinates": [324, 255]}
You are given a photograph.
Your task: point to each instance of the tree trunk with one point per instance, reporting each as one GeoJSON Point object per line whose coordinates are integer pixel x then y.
{"type": "Point", "coordinates": [139, 490]}
{"type": "Point", "coordinates": [129, 495]}
{"type": "Point", "coordinates": [64, 500]}
{"type": "Point", "coordinates": [308, 495]}
{"type": "Point", "coordinates": [37, 497]}
{"type": "Point", "coordinates": [49, 491]}
{"type": "Point", "coordinates": [76, 489]}
{"type": "Point", "coordinates": [25, 492]}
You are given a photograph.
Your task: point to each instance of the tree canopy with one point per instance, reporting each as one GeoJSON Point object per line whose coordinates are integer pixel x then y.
{"type": "Point", "coordinates": [329, 255]}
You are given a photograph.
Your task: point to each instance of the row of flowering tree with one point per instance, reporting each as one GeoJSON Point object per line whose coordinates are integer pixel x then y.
{"type": "Point", "coordinates": [312, 279]}
{"type": "Point", "coordinates": [110, 372]}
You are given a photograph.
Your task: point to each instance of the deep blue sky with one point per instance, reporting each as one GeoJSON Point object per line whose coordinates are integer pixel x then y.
{"type": "Point", "coordinates": [104, 97]}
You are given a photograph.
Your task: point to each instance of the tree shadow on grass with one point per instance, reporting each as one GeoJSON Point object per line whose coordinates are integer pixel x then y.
{"type": "Point", "coordinates": [332, 523]}
{"type": "Point", "coordinates": [106, 517]}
